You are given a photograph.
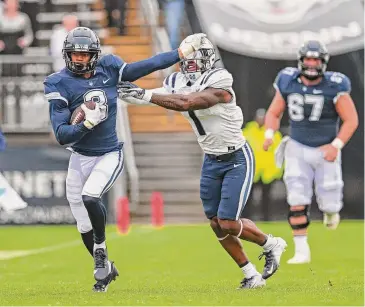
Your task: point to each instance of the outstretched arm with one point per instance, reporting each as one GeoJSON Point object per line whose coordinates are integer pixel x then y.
{"type": "Point", "coordinates": [136, 70]}
{"type": "Point", "coordinates": [194, 101]}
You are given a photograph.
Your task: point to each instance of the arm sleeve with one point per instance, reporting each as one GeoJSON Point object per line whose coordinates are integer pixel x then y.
{"type": "Point", "coordinates": [136, 70]}
{"type": "Point", "coordinates": [60, 115]}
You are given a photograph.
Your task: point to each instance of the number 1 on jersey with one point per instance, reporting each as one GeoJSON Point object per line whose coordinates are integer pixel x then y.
{"type": "Point", "coordinates": [197, 123]}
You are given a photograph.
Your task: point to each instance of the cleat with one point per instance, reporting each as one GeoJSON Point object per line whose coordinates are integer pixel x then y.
{"type": "Point", "coordinates": [255, 281]}
{"type": "Point", "coordinates": [272, 258]}
{"type": "Point", "coordinates": [331, 220]}
{"type": "Point", "coordinates": [300, 258]}
{"type": "Point", "coordinates": [101, 268]}
{"type": "Point", "coordinates": [102, 285]}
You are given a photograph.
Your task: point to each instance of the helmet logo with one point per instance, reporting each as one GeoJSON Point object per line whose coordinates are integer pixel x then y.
{"type": "Point", "coordinates": [82, 46]}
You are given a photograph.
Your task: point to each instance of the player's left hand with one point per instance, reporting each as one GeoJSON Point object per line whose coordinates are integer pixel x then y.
{"type": "Point", "coordinates": [191, 44]}
{"type": "Point", "coordinates": [329, 152]}
{"type": "Point", "coordinates": [138, 93]}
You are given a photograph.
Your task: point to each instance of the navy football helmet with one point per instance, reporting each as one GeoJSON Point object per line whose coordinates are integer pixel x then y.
{"type": "Point", "coordinates": [81, 39]}
{"type": "Point", "coordinates": [313, 49]}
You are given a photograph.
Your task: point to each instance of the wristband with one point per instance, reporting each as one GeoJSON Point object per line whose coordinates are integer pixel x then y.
{"type": "Point", "coordinates": [89, 125]}
{"type": "Point", "coordinates": [269, 134]}
{"type": "Point", "coordinates": [337, 143]}
{"type": "Point", "coordinates": [147, 95]}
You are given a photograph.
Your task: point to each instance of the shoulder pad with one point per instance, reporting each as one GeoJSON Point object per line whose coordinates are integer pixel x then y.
{"type": "Point", "coordinates": [217, 78]}
{"type": "Point", "coordinates": [53, 78]}
{"type": "Point", "coordinates": [171, 81]}
{"type": "Point", "coordinates": [105, 59]}
{"type": "Point", "coordinates": [339, 81]}
{"type": "Point", "coordinates": [284, 77]}
{"type": "Point", "coordinates": [53, 89]}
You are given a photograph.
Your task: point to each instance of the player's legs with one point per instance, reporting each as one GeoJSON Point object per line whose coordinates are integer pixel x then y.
{"type": "Point", "coordinates": [106, 170]}
{"type": "Point", "coordinates": [210, 194]}
{"type": "Point", "coordinates": [236, 187]}
{"type": "Point", "coordinates": [329, 186]}
{"type": "Point", "coordinates": [78, 170]}
{"type": "Point", "coordinates": [298, 179]}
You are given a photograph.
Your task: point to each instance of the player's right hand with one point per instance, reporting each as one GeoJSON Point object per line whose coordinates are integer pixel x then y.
{"type": "Point", "coordinates": [267, 144]}
{"type": "Point", "coordinates": [138, 93]}
{"type": "Point", "coordinates": [190, 44]}
{"type": "Point", "coordinates": [92, 117]}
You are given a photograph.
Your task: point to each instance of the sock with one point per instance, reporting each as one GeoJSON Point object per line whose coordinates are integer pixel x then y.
{"type": "Point", "coordinates": [270, 243]}
{"type": "Point", "coordinates": [88, 239]}
{"type": "Point", "coordinates": [301, 244]}
{"type": "Point", "coordinates": [97, 215]}
{"type": "Point", "coordinates": [101, 245]}
{"type": "Point", "coordinates": [249, 270]}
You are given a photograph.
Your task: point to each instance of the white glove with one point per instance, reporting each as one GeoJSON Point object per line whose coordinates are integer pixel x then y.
{"type": "Point", "coordinates": [191, 43]}
{"type": "Point", "coordinates": [92, 117]}
{"type": "Point", "coordinates": [138, 93]}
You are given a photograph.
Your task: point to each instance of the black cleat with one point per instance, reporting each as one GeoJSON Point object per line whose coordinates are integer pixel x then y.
{"type": "Point", "coordinates": [101, 268]}
{"type": "Point", "coordinates": [102, 285]}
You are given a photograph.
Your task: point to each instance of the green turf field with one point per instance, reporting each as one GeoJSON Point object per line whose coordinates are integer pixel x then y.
{"type": "Point", "coordinates": [177, 265]}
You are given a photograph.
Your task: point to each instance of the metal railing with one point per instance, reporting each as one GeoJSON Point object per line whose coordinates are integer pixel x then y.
{"type": "Point", "coordinates": [161, 43]}
{"type": "Point", "coordinates": [160, 39]}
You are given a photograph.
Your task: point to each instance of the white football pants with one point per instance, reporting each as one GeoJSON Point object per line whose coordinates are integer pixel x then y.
{"type": "Point", "coordinates": [92, 176]}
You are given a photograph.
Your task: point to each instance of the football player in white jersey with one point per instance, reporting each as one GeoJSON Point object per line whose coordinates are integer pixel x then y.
{"type": "Point", "coordinates": [205, 97]}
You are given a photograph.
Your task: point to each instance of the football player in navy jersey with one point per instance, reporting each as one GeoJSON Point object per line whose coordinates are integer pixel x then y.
{"type": "Point", "coordinates": [97, 158]}
{"type": "Point", "coordinates": [316, 101]}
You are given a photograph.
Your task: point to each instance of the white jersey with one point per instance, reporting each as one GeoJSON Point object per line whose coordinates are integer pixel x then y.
{"type": "Point", "coordinates": [217, 128]}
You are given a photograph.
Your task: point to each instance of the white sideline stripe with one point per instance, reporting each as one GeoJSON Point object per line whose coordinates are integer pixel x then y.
{"type": "Point", "coordinates": [6, 255]}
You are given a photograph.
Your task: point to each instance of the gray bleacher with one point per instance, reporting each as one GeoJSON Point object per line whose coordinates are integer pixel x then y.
{"type": "Point", "coordinates": [21, 76]}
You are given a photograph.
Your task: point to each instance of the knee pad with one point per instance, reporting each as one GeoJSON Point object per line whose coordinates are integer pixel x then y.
{"type": "Point", "coordinates": [300, 213]}
{"type": "Point", "coordinates": [84, 226]}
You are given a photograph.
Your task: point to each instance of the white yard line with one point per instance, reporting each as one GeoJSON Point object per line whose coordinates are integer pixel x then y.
{"type": "Point", "coordinates": [6, 255]}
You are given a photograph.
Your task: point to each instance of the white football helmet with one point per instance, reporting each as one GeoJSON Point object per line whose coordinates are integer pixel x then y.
{"type": "Point", "coordinates": [194, 65]}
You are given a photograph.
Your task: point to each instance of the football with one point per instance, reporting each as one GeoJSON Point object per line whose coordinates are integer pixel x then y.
{"type": "Point", "coordinates": [79, 115]}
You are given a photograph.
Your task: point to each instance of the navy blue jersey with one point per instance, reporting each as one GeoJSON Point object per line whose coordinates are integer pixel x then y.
{"type": "Point", "coordinates": [66, 91]}
{"type": "Point", "coordinates": [101, 87]}
{"type": "Point", "coordinates": [312, 113]}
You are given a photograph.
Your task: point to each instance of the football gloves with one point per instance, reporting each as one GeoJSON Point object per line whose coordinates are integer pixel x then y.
{"type": "Point", "coordinates": [92, 117]}
{"type": "Point", "coordinates": [191, 44]}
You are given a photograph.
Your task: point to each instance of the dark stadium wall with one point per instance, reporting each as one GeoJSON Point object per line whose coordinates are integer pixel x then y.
{"type": "Point", "coordinates": [253, 80]}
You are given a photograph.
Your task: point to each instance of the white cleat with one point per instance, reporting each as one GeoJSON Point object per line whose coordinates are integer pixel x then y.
{"type": "Point", "coordinates": [331, 220]}
{"type": "Point", "coordinates": [300, 258]}
{"type": "Point", "coordinates": [272, 258]}
{"type": "Point", "coordinates": [253, 282]}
